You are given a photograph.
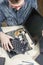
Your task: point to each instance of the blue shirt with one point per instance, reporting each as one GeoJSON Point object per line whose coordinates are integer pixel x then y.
{"type": "Point", "coordinates": [14, 17]}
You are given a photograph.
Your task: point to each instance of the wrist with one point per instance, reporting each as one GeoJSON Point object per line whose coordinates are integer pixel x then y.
{"type": "Point", "coordinates": [1, 33]}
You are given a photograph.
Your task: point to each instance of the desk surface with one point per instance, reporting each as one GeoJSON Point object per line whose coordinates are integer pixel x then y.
{"type": "Point", "coordinates": [19, 58]}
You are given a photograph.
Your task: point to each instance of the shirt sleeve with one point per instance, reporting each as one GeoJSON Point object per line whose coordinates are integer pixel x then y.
{"type": "Point", "coordinates": [34, 4]}
{"type": "Point", "coordinates": [2, 17]}
{"type": "Point", "coordinates": [0, 29]}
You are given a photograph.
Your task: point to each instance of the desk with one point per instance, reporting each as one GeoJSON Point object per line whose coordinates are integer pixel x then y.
{"type": "Point", "coordinates": [16, 60]}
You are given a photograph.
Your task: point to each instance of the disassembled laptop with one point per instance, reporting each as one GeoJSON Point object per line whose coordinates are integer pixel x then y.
{"type": "Point", "coordinates": [22, 41]}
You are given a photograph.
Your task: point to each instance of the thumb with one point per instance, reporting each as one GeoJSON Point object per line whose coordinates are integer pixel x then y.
{"type": "Point", "coordinates": [10, 37]}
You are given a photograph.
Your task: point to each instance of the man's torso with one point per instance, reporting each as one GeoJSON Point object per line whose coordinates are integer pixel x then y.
{"type": "Point", "coordinates": [14, 17]}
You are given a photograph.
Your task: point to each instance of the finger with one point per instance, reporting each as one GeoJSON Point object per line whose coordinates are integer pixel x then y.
{"type": "Point", "coordinates": [4, 45]}
{"type": "Point", "coordinates": [10, 45]}
{"type": "Point", "coordinates": [10, 37]}
{"type": "Point", "coordinates": [8, 48]}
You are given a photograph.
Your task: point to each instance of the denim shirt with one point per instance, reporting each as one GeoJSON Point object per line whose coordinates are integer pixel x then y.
{"type": "Point", "coordinates": [14, 17]}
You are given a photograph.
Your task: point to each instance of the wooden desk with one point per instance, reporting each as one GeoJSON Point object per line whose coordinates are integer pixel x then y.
{"type": "Point", "coordinates": [40, 6]}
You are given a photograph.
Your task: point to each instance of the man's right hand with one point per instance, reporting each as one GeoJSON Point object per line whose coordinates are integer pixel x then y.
{"type": "Point", "coordinates": [5, 41]}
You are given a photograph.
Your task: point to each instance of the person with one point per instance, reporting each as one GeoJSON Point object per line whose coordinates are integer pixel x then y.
{"type": "Point", "coordinates": [15, 12]}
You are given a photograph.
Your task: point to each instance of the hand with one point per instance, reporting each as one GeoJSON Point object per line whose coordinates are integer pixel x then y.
{"type": "Point", "coordinates": [5, 41]}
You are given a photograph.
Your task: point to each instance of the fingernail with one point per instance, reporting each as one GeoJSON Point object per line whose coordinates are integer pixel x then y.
{"type": "Point", "coordinates": [9, 50]}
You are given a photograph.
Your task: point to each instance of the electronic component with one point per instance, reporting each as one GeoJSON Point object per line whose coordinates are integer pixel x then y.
{"type": "Point", "coordinates": [21, 42]}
